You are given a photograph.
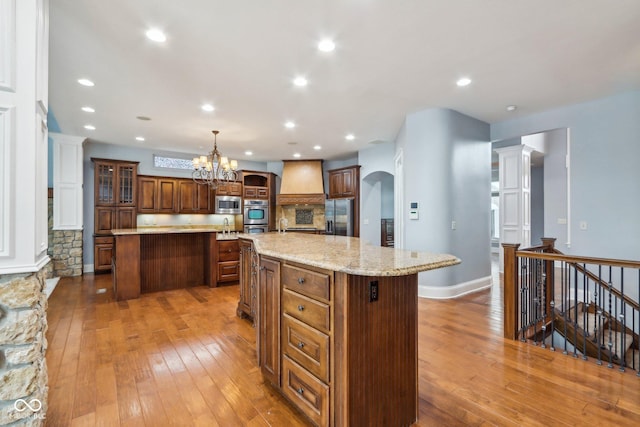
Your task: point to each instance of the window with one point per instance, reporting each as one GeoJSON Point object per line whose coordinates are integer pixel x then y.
{"type": "Point", "coordinates": [172, 163]}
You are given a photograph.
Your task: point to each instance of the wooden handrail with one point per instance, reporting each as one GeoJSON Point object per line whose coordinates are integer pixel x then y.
{"type": "Point", "coordinates": [576, 261]}
{"type": "Point", "coordinates": [579, 259]}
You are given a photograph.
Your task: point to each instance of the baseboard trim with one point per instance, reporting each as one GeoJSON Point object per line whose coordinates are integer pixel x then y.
{"type": "Point", "coordinates": [455, 291]}
{"type": "Point", "coordinates": [88, 268]}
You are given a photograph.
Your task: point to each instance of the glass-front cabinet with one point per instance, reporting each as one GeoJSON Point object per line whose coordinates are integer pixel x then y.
{"type": "Point", "coordinates": [115, 188]}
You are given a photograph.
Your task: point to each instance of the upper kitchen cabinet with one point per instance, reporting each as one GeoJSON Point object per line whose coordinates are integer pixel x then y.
{"type": "Point", "coordinates": [344, 183]}
{"type": "Point", "coordinates": [115, 182]}
{"type": "Point", "coordinates": [232, 188]}
{"type": "Point", "coordinates": [194, 198]}
{"type": "Point", "coordinates": [258, 185]}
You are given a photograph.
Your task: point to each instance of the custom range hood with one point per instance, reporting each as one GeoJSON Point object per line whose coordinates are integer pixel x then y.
{"type": "Point", "coordinates": [302, 183]}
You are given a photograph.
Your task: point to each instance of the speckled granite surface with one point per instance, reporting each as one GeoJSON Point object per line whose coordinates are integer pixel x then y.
{"type": "Point", "coordinates": [347, 254]}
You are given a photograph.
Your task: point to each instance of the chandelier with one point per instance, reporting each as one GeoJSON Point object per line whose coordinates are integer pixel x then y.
{"type": "Point", "coordinates": [214, 168]}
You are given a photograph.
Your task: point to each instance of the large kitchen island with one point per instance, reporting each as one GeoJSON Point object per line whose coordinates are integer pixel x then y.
{"type": "Point", "coordinates": [161, 258]}
{"type": "Point", "coordinates": [337, 324]}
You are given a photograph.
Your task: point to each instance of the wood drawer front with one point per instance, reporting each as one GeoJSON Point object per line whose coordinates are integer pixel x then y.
{"type": "Point", "coordinates": [307, 282]}
{"type": "Point", "coordinates": [228, 251]}
{"type": "Point", "coordinates": [103, 240]}
{"type": "Point", "coordinates": [307, 346]}
{"type": "Point", "coordinates": [308, 393]}
{"type": "Point", "coordinates": [307, 310]}
{"type": "Point", "coordinates": [228, 271]}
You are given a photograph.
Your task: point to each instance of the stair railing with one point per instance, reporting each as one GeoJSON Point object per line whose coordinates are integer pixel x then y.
{"type": "Point", "coordinates": [588, 305]}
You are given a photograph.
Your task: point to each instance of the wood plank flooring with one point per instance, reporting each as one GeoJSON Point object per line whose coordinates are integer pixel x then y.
{"type": "Point", "coordinates": [183, 358]}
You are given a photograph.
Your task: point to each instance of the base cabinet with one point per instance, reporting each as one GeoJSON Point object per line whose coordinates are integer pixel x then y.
{"type": "Point", "coordinates": [332, 346]}
{"type": "Point", "coordinates": [228, 261]}
{"type": "Point", "coordinates": [248, 277]}
{"type": "Point", "coordinates": [269, 324]}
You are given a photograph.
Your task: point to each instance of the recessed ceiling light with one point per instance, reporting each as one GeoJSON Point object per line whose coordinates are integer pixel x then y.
{"type": "Point", "coordinates": [465, 81]}
{"type": "Point", "coordinates": [156, 35]}
{"type": "Point", "coordinates": [511, 107]}
{"type": "Point", "coordinates": [350, 137]}
{"type": "Point", "coordinates": [296, 155]}
{"type": "Point", "coordinates": [88, 110]}
{"type": "Point", "coordinates": [326, 45]}
{"type": "Point", "coordinates": [86, 82]}
{"type": "Point", "coordinates": [248, 153]}
{"type": "Point", "coordinates": [289, 125]}
{"type": "Point", "coordinates": [300, 81]}
{"type": "Point", "coordinates": [207, 107]}
{"type": "Point", "coordinates": [317, 147]}
{"type": "Point", "coordinates": [140, 138]}
{"type": "Point", "coordinates": [90, 127]}
{"type": "Point", "coordinates": [144, 118]}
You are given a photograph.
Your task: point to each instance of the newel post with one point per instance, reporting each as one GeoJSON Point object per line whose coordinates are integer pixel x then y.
{"type": "Point", "coordinates": [549, 243]}
{"type": "Point", "coordinates": [510, 290]}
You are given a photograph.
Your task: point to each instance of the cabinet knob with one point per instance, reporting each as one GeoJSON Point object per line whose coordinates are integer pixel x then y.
{"type": "Point", "coordinates": [300, 344]}
{"type": "Point", "coordinates": [300, 280]}
{"type": "Point", "coordinates": [300, 390]}
{"type": "Point", "coordinates": [300, 307]}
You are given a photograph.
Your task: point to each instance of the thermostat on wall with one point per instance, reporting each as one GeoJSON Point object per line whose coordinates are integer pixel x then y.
{"type": "Point", "coordinates": [413, 210]}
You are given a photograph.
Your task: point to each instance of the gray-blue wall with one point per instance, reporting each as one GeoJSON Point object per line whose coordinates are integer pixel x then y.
{"type": "Point", "coordinates": [447, 170]}
{"type": "Point", "coordinates": [604, 172]}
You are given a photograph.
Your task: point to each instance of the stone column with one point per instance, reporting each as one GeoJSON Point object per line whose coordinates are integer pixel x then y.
{"type": "Point", "coordinates": [23, 368]}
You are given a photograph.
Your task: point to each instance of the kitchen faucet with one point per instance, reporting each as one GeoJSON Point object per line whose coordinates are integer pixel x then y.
{"type": "Point", "coordinates": [282, 227]}
{"type": "Point", "coordinates": [225, 226]}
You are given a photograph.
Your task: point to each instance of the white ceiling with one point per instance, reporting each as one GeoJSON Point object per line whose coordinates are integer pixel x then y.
{"type": "Point", "coordinates": [392, 58]}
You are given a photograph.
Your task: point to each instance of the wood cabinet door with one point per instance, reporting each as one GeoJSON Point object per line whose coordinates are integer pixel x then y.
{"type": "Point", "coordinates": [269, 323]}
{"type": "Point", "coordinates": [203, 199]}
{"type": "Point", "coordinates": [126, 177]}
{"type": "Point", "coordinates": [147, 194]}
{"type": "Point", "coordinates": [104, 219]}
{"type": "Point", "coordinates": [105, 185]}
{"type": "Point", "coordinates": [167, 195]}
{"type": "Point", "coordinates": [246, 272]}
{"type": "Point", "coordinates": [102, 254]}
{"type": "Point", "coordinates": [234, 189]}
{"type": "Point", "coordinates": [250, 192]}
{"type": "Point", "coordinates": [187, 194]}
{"type": "Point", "coordinates": [126, 218]}
{"type": "Point", "coordinates": [348, 183]}
{"type": "Point", "coordinates": [335, 184]}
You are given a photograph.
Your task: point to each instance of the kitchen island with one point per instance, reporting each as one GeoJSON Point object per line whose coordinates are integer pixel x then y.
{"type": "Point", "coordinates": [150, 259]}
{"type": "Point", "coordinates": [337, 325]}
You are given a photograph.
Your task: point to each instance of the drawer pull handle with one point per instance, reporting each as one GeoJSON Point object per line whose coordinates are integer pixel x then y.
{"type": "Point", "coordinates": [300, 344]}
{"type": "Point", "coordinates": [300, 390]}
{"type": "Point", "coordinates": [300, 280]}
{"type": "Point", "coordinates": [300, 307]}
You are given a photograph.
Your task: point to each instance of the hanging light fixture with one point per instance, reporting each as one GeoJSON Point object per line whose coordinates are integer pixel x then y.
{"type": "Point", "coordinates": [214, 168]}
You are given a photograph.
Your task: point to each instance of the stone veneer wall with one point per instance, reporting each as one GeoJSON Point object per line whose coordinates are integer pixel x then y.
{"type": "Point", "coordinates": [23, 368]}
{"type": "Point", "coordinates": [67, 252]}
{"type": "Point", "coordinates": [65, 248]}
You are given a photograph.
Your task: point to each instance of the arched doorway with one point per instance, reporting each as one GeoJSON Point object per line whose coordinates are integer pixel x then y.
{"type": "Point", "coordinates": [377, 204]}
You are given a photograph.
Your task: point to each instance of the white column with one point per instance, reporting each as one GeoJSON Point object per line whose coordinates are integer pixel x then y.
{"type": "Point", "coordinates": [67, 181]}
{"type": "Point", "coordinates": [24, 35]}
{"type": "Point", "coordinates": [515, 196]}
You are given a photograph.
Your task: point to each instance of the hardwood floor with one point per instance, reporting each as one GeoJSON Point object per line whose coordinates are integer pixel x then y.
{"type": "Point", "coordinates": [183, 358]}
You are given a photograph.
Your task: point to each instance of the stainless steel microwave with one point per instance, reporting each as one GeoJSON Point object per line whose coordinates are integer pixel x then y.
{"type": "Point", "coordinates": [229, 205]}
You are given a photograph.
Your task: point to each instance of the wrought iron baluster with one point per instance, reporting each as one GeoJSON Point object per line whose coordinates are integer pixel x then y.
{"type": "Point", "coordinates": [610, 342]}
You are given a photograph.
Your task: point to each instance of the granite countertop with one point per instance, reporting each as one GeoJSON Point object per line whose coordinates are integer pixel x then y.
{"type": "Point", "coordinates": [347, 254]}
{"type": "Point", "coordinates": [175, 230]}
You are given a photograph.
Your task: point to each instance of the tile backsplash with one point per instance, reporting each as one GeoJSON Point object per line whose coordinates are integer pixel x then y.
{"type": "Point", "coordinates": [302, 215]}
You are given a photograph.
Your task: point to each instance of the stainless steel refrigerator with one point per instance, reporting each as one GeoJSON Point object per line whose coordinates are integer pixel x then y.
{"type": "Point", "coordinates": [338, 216]}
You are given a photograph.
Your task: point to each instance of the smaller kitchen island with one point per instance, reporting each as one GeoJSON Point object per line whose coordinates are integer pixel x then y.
{"type": "Point", "coordinates": [154, 259]}
{"type": "Point", "coordinates": [337, 324]}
